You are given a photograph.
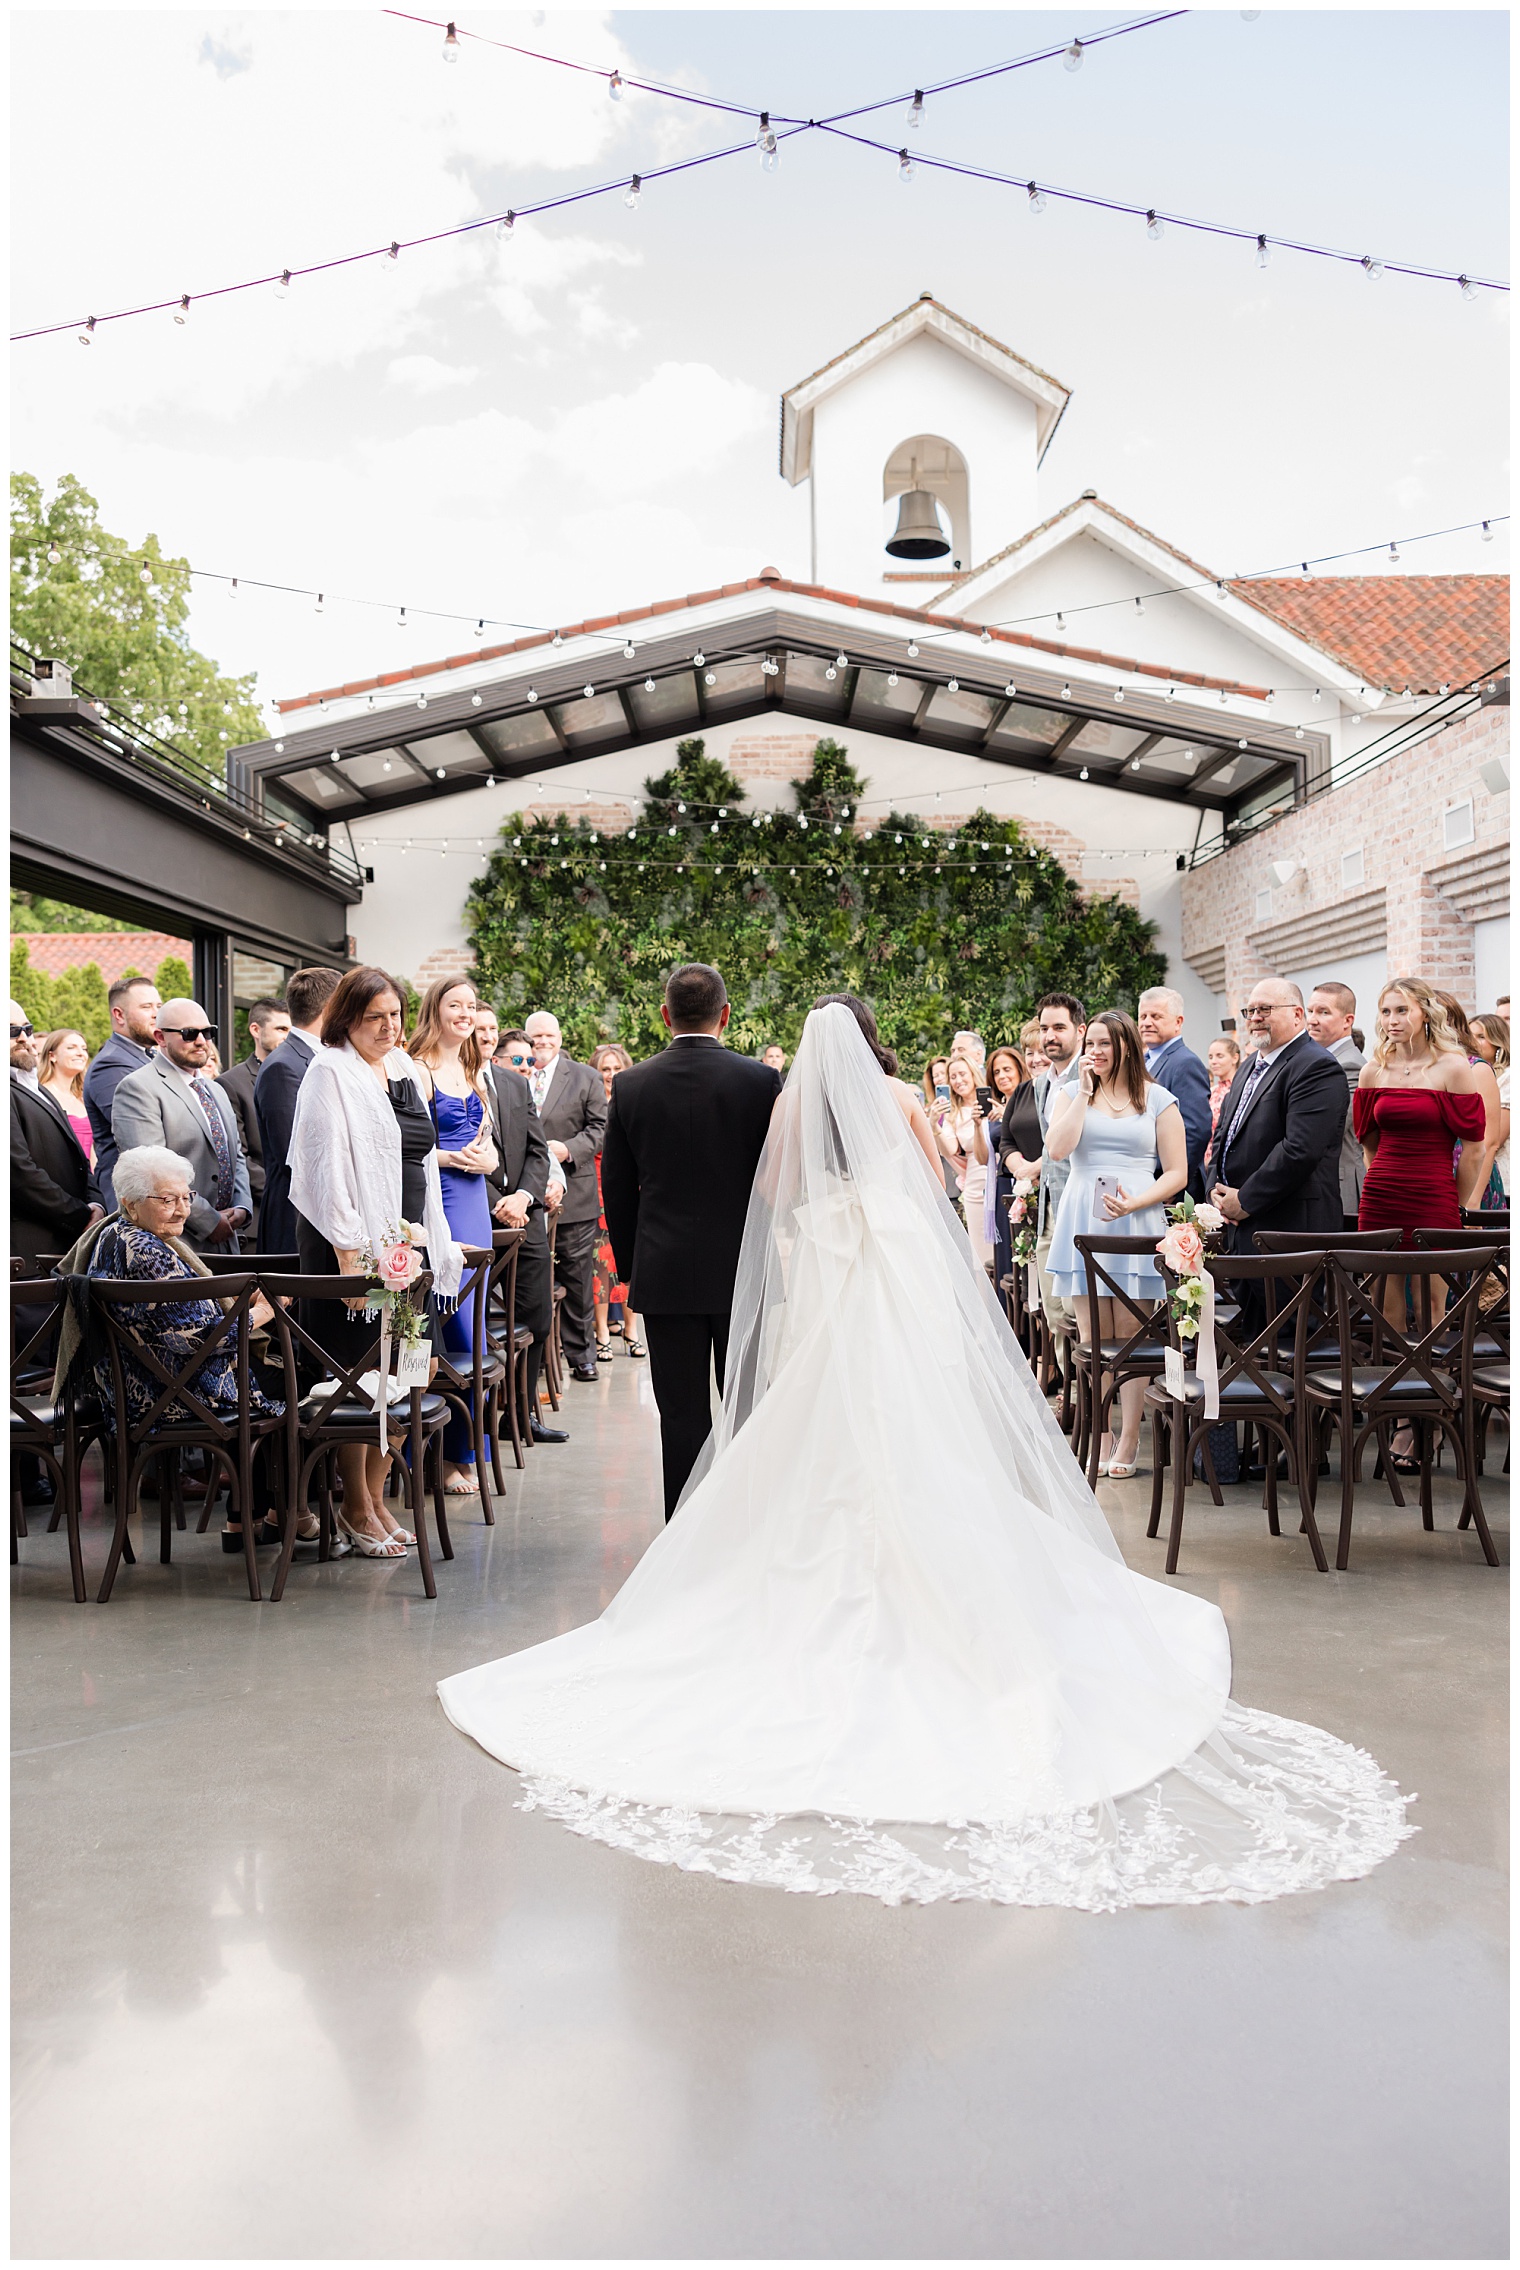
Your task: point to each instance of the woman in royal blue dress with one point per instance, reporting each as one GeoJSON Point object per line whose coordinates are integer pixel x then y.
{"type": "Point", "coordinates": [445, 1047]}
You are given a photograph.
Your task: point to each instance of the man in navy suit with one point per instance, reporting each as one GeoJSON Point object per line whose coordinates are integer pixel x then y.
{"type": "Point", "coordinates": [134, 1006]}
{"type": "Point", "coordinates": [1171, 1063]}
{"type": "Point", "coordinates": [274, 1100]}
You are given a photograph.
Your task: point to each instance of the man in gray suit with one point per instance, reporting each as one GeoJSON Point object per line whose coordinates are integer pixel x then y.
{"type": "Point", "coordinates": [572, 1107]}
{"type": "Point", "coordinates": [1330, 1017]}
{"type": "Point", "coordinates": [172, 1101]}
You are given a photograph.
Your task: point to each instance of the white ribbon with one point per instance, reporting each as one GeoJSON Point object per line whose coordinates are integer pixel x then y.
{"type": "Point", "coordinates": [383, 1381]}
{"type": "Point", "coordinates": [1208, 1354]}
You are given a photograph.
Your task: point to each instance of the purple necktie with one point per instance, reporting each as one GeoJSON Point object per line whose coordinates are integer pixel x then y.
{"type": "Point", "coordinates": [201, 1088]}
{"type": "Point", "coordinates": [1253, 1081]}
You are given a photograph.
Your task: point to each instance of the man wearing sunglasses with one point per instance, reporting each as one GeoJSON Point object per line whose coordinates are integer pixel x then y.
{"type": "Point", "coordinates": [174, 1101]}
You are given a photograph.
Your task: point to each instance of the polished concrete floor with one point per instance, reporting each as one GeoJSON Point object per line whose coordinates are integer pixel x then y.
{"type": "Point", "coordinates": [295, 1978]}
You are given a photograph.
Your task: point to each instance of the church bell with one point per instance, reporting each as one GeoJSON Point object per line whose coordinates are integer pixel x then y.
{"type": "Point", "coordinates": [918, 535]}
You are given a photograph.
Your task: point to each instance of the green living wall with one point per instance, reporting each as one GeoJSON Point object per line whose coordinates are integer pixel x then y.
{"type": "Point", "coordinates": [935, 931]}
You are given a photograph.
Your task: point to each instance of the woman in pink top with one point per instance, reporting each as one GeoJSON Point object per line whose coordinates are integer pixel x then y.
{"type": "Point", "coordinates": [62, 1061]}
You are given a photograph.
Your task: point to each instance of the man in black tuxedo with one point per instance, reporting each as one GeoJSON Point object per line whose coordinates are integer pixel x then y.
{"type": "Point", "coordinates": [572, 1107]}
{"type": "Point", "coordinates": [268, 1025]}
{"type": "Point", "coordinates": [1277, 1149]}
{"type": "Point", "coordinates": [518, 1182]}
{"type": "Point", "coordinates": [52, 1198]}
{"type": "Point", "coordinates": [274, 1100]}
{"type": "Point", "coordinates": [684, 1135]}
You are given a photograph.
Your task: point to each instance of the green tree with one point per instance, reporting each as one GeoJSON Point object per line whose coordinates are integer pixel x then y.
{"type": "Point", "coordinates": [936, 931]}
{"type": "Point", "coordinates": [115, 613]}
{"type": "Point", "coordinates": [77, 998]}
{"type": "Point", "coordinates": [173, 979]}
{"type": "Point", "coordinates": [30, 911]}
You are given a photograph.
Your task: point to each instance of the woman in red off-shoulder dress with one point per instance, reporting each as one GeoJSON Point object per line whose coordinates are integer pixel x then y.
{"type": "Point", "coordinates": [1415, 1101]}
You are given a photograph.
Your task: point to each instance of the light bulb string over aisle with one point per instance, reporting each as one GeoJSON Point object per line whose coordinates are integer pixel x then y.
{"type": "Point", "coordinates": [325, 597]}
{"type": "Point", "coordinates": [631, 187]}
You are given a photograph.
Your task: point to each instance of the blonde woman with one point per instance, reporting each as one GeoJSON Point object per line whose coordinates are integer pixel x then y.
{"type": "Point", "coordinates": [1490, 1041]}
{"type": "Point", "coordinates": [63, 1058]}
{"type": "Point", "coordinates": [452, 1078]}
{"type": "Point", "coordinates": [1488, 1089]}
{"type": "Point", "coordinates": [960, 1129]}
{"type": "Point", "coordinates": [610, 1059]}
{"type": "Point", "coordinates": [1414, 1100]}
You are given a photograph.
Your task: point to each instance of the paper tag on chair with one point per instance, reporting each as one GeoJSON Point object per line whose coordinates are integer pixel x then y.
{"type": "Point", "coordinates": [1176, 1375]}
{"type": "Point", "coordinates": [412, 1366]}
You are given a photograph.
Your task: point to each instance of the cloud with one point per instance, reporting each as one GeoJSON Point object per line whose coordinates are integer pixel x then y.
{"type": "Point", "coordinates": [424, 374]}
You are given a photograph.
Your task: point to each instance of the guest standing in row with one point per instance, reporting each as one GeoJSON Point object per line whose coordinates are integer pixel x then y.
{"type": "Point", "coordinates": [363, 1160]}
{"type": "Point", "coordinates": [1415, 1100]}
{"type": "Point", "coordinates": [1490, 1038]}
{"type": "Point", "coordinates": [52, 1197]}
{"type": "Point", "coordinates": [172, 1104]}
{"type": "Point", "coordinates": [275, 1090]}
{"type": "Point", "coordinates": [1487, 1186]}
{"type": "Point", "coordinates": [1116, 1124]}
{"type": "Point", "coordinates": [446, 1052]}
{"type": "Point", "coordinates": [1160, 1014]}
{"type": "Point", "coordinates": [63, 1058]}
{"type": "Point", "coordinates": [1223, 1062]}
{"type": "Point", "coordinates": [1030, 1049]}
{"type": "Point", "coordinates": [134, 1005]}
{"type": "Point", "coordinates": [960, 1129]}
{"type": "Point", "coordinates": [1063, 1036]}
{"type": "Point", "coordinates": [572, 1104]}
{"type": "Point", "coordinates": [1008, 1078]}
{"type": "Point", "coordinates": [1331, 1018]}
{"type": "Point", "coordinates": [1276, 1150]}
{"type": "Point", "coordinates": [607, 1292]}
{"type": "Point", "coordinates": [268, 1025]}
{"type": "Point", "coordinates": [519, 1184]}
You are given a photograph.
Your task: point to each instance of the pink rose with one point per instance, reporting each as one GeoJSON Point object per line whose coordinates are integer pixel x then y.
{"type": "Point", "coordinates": [1182, 1250]}
{"type": "Point", "coordinates": [398, 1266]}
{"type": "Point", "coordinates": [1016, 1210]}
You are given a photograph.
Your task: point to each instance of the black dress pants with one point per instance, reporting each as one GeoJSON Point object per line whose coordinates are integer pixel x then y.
{"type": "Point", "coordinates": [575, 1245]}
{"type": "Point", "coordinates": [684, 1353]}
{"type": "Point", "coordinates": [535, 1296]}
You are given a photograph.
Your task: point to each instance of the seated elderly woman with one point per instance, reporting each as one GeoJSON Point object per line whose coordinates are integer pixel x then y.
{"type": "Point", "coordinates": [144, 1238]}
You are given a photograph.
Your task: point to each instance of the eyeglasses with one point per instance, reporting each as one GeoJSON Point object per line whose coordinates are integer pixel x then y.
{"type": "Point", "coordinates": [191, 1032]}
{"type": "Point", "coordinates": [178, 1199]}
{"type": "Point", "coordinates": [519, 1060]}
{"type": "Point", "coordinates": [1263, 1009]}
{"type": "Point", "coordinates": [22, 1032]}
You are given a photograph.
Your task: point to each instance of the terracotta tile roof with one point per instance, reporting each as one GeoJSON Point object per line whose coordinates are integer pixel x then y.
{"type": "Point", "coordinates": [1420, 631]}
{"type": "Point", "coordinates": [768, 580]}
{"type": "Point", "coordinates": [112, 951]}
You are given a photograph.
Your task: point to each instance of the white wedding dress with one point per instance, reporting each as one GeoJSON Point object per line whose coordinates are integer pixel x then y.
{"type": "Point", "coordinates": [888, 1643]}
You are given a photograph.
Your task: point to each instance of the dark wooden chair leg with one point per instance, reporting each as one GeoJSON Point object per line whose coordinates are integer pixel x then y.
{"type": "Point", "coordinates": [1158, 1426]}
{"type": "Point", "coordinates": [1182, 1459]}
{"type": "Point", "coordinates": [415, 1498]}
{"type": "Point", "coordinates": [1424, 1429]}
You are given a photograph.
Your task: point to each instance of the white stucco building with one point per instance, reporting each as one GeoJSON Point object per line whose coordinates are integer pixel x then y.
{"type": "Point", "coordinates": [1054, 661]}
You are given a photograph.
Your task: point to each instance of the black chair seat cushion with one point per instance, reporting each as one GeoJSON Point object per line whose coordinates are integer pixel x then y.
{"type": "Point", "coordinates": [1325, 1386]}
{"type": "Point", "coordinates": [492, 1368]}
{"type": "Point", "coordinates": [38, 1418]}
{"type": "Point", "coordinates": [1141, 1358]}
{"type": "Point", "coordinates": [1238, 1398]}
{"type": "Point", "coordinates": [1492, 1379]}
{"type": "Point", "coordinates": [522, 1337]}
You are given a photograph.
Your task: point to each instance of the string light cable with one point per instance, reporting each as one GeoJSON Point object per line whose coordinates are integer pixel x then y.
{"type": "Point", "coordinates": [180, 304]}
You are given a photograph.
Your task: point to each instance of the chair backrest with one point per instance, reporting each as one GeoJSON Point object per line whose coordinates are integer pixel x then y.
{"type": "Point", "coordinates": [233, 1264]}
{"type": "Point", "coordinates": [37, 1303]}
{"type": "Point", "coordinates": [1325, 1241]}
{"type": "Point", "coordinates": [501, 1293]}
{"type": "Point", "coordinates": [1494, 1297]}
{"type": "Point", "coordinates": [1359, 1282]}
{"type": "Point", "coordinates": [1254, 1358]}
{"type": "Point", "coordinates": [171, 1380]}
{"type": "Point", "coordinates": [1320, 1330]}
{"type": "Point", "coordinates": [1144, 1319]}
{"type": "Point", "coordinates": [304, 1356]}
{"type": "Point", "coordinates": [1479, 1217]}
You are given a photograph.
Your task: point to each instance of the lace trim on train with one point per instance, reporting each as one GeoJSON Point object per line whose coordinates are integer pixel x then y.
{"type": "Point", "coordinates": [1268, 1807]}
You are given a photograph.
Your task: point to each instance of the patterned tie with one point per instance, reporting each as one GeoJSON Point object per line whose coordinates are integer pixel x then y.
{"type": "Point", "coordinates": [539, 1084]}
{"type": "Point", "coordinates": [201, 1089]}
{"type": "Point", "coordinates": [1253, 1081]}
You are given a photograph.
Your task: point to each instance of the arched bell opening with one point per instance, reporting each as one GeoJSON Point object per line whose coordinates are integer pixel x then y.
{"type": "Point", "coordinates": [926, 490]}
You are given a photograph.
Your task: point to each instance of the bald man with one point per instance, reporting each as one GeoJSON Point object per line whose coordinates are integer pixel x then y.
{"type": "Point", "coordinates": [1277, 1149]}
{"type": "Point", "coordinates": [174, 1101]}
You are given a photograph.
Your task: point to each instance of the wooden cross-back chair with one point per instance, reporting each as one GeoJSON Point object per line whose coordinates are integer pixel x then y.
{"type": "Point", "coordinates": [470, 1386]}
{"type": "Point", "coordinates": [1138, 1352]}
{"type": "Point", "coordinates": [319, 1423]}
{"type": "Point", "coordinates": [228, 1440]}
{"type": "Point", "coordinates": [509, 1402]}
{"type": "Point", "coordinates": [41, 1428]}
{"type": "Point", "coordinates": [1407, 1381]}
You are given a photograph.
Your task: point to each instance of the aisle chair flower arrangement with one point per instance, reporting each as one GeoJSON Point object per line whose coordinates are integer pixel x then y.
{"type": "Point", "coordinates": [1021, 1222]}
{"type": "Point", "coordinates": [392, 1272]}
{"type": "Point", "coordinates": [1195, 1232]}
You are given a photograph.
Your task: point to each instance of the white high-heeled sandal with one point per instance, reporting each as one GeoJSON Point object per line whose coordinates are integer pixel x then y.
{"type": "Point", "coordinates": [372, 1548]}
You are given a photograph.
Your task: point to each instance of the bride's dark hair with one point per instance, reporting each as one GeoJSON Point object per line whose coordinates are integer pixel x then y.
{"type": "Point", "coordinates": [867, 1023]}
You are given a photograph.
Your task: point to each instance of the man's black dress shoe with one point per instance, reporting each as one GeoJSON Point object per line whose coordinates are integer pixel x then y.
{"type": "Point", "coordinates": [584, 1371]}
{"type": "Point", "coordinates": [538, 1432]}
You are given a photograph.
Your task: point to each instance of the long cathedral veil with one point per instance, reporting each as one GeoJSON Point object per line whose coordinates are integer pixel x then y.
{"type": "Point", "coordinates": [888, 1643]}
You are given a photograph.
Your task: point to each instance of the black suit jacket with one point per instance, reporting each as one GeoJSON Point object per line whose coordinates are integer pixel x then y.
{"type": "Point", "coordinates": [522, 1149]}
{"type": "Point", "coordinates": [109, 1066]}
{"type": "Point", "coordinates": [1285, 1158]}
{"type": "Point", "coordinates": [274, 1103]}
{"type": "Point", "coordinates": [238, 1081]}
{"type": "Point", "coordinates": [575, 1113]}
{"type": "Point", "coordinates": [50, 1176]}
{"type": "Point", "coordinates": [684, 1136]}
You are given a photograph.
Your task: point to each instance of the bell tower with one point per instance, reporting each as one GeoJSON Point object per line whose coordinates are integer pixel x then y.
{"type": "Point", "coordinates": [921, 447]}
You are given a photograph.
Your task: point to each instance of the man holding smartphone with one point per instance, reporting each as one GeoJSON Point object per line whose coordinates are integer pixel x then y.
{"type": "Point", "coordinates": [1063, 1035]}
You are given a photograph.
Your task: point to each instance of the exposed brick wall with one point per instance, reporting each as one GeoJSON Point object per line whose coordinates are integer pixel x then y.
{"type": "Point", "coordinates": [771, 756]}
{"type": "Point", "coordinates": [599, 813]}
{"type": "Point", "coordinates": [447, 961]}
{"type": "Point", "coordinates": [1394, 814]}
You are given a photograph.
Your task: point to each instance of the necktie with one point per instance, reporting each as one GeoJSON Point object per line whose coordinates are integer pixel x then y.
{"type": "Point", "coordinates": [201, 1089]}
{"type": "Point", "coordinates": [1253, 1081]}
{"type": "Point", "coordinates": [540, 1084]}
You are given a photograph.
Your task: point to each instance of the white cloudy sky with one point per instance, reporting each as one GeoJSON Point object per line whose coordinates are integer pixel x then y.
{"type": "Point", "coordinates": [586, 419]}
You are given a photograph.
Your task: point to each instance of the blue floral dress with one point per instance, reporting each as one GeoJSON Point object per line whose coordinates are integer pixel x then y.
{"type": "Point", "coordinates": [173, 1327]}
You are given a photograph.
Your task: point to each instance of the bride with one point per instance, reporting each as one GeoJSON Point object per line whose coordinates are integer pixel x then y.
{"type": "Point", "coordinates": [888, 1644]}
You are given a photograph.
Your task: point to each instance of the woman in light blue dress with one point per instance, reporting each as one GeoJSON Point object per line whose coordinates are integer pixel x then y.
{"type": "Point", "coordinates": [1117, 1124]}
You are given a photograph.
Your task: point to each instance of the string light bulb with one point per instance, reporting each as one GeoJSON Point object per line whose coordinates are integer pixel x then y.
{"type": "Point", "coordinates": [891, 677]}
{"type": "Point", "coordinates": [1486, 534]}
{"type": "Point", "coordinates": [615, 86]}
{"type": "Point", "coordinates": [321, 605]}
{"type": "Point", "coordinates": [1467, 287]}
{"type": "Point", "coordinates": [1072, 59]}
{"type": "Point", "coordinates": [504, 228]}
{"type": "Point", "coordinates": [628, 651]}
{"type": "Point", "coordinates": [54, 555]}
{"type": "Point", "coordinates": [1036, 198]}
{"type": "Point", "coordinates": [451, 45]}
{"type": "Point", "coordinates": [182, 312]}
{"type": "Point", "coordinates": [905, 167]}
{"type": "Point", "coordinates": [401, 620]}
{"type": "Point", "coordinates": [1371, 268]}
{"type": "Point", "coordinates": [282, 288]}
{"type": "Point", "coordinates": [1066, 693]}
{"type": "Point", "coordinates": [87, 335]}
{"type": "Point", "coordinates": [632, 194]}
{"type": "Point", "coordinates": [699, 658]}
{"type": "Point", "coordinates": [1155, 227]}
{"type": "Point", "coordinates": [986, 636]}
{"type": "Point", "coordinates": [1082, 775]}
{"type": "Point", "coordinates": [389, 258]}
{"type": "Point", "coordinates": [1060, 621]}
{"type": "Point", "coordinates": [649, 685]}
{"type": "Point", "coordinates": [475, 700]}
{"type": "Point", "coordinates": [1393, 552]}
{"type": "Point", "coordinates": [1263, 252]}
{"type": "Point", "coordinates": [916, 108]}
{"type": "Point", "coordinates": [767, 145]}
{"type": "Point", "coordinates": [912, 648]}
{"type": "Point", "coordinates": [953, 686]}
